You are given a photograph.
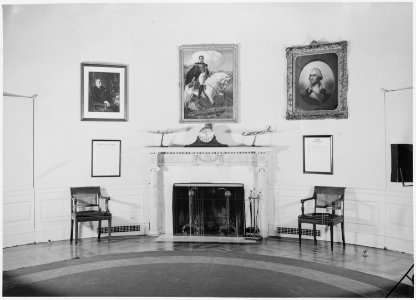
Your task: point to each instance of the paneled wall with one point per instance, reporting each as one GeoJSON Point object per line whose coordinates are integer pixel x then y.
{"type": "Point", "coordinates": [44, 46]}
{"type": "Point", "coordinates": [46, 216]}
{"type": "Point", "coordinates": [373, 217]}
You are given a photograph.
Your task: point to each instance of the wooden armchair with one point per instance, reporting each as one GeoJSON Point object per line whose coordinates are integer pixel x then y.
{"type": "Point", "coordinates": [85, 207]}
{"type": "Point", "coordinates": [324, 197]}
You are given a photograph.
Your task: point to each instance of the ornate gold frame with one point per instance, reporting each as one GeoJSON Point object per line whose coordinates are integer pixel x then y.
{"type": "Point", "coordinates": [317, 51]}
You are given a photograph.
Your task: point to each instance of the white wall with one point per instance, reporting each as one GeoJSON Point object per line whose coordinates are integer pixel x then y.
{"type": "Point", "coordinates": [45, 44]}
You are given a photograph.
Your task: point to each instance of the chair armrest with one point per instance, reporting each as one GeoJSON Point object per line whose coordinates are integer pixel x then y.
{"type": "Point", "coordinates": [74, 204]}
{"type": "Point", "coordinates": [334, 202]}
{"type": "Point", "coordinates": [106, 202]}
{"type": "Point", "coordinates": [303, 201]}
{"type": "Point", "coordinates": [337, 200]}
{"type": "Point", "coordinates": [307, 199]}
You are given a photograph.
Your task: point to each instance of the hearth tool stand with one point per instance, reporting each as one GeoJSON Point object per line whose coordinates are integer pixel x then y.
{"type": "Point", "coordinates": [253, 232]}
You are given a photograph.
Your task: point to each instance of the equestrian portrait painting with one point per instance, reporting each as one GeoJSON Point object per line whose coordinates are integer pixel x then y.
{"type": "Point", "coordinates": [103, 92]}
{"type": "Point", "coordinates": [317, 81]}
{"type": "Point", "coordinates": [208, 83]}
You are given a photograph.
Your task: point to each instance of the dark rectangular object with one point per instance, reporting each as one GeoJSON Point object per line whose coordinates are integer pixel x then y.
{"type": "Point", "coordinates": [208, 209]}
{"type": "Point", "coordinates": [402, 163]}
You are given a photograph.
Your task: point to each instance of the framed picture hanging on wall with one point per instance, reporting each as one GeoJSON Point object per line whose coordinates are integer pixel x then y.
{"type": "Point", "coordinates": [106, 158]}
{"type": "Point", "coordinates": [317, 154]}
{"type": "Point", "coordinates": [103, 92]}
{"type": "Point", "coordinates": [208, 83]}
{"type": "Point", "coordinates": [317, 81]}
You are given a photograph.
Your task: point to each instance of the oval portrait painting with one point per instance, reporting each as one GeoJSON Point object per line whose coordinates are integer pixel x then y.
{"type": "Point", "coordinates": [317, 87]}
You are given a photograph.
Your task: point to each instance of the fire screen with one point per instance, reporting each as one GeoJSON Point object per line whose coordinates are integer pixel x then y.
{"type": "Point", "coordinates": [208, 209]}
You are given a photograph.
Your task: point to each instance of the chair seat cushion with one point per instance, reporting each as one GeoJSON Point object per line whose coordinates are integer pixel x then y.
{"type": "Point", "coordinates": [321, 218]}
{"type": "Point", "coordinates": [92, 215]}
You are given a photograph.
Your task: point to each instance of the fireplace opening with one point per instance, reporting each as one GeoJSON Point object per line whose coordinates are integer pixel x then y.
{"type": "Point", "coordinates": [208, 209]}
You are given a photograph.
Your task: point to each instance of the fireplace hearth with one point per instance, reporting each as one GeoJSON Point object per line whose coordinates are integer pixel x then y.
{"type": "Point", "coordinates": [208, 209]}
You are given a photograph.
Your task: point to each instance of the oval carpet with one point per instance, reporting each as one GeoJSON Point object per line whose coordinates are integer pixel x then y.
{"type": "Point", "coordinates": [194, 274]}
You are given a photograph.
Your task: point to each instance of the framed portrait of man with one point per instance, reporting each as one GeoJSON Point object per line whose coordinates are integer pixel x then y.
{"type": "Point", "coordinates": [103, 92]}
{"type": "Point", "coordinates": [208, 83]}
{"type": "Point", "coordinates": [317, 81]}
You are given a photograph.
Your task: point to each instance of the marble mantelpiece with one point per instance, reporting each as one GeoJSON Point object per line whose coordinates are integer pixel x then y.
{"type": "Point", "coordinates": [248, 165]}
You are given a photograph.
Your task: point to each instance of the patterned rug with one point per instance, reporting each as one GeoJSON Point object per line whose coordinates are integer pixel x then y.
{"type": "Point", "coordinates": [195, 274]}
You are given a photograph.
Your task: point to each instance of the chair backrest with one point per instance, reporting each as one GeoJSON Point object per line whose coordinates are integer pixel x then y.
{"type": "Point", "coordinates": [324, 195]}
{"type": "Point", "coordinates": [87, 195]}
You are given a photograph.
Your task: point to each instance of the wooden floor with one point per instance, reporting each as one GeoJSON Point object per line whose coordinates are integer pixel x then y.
{"type": "Point", "coordinates": [384, 263]}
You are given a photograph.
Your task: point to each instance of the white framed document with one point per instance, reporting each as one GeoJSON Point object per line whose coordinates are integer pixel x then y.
{"type": "Point", "coordinates": [106, 158]}
{"type": "Point", "coordinates": [317, 154]}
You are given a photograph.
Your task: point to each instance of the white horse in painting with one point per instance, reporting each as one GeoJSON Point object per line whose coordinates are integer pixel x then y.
{"type": "Point", "coordinates": [215, 85]}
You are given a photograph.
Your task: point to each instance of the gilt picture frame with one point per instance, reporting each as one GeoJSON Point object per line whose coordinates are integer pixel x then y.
{"type": "Point", "coordinates": [103, 92]}
{"type": "Point", "coordinates": [317, 81]}
{"type": "Point", "coordinates": [208, 83]}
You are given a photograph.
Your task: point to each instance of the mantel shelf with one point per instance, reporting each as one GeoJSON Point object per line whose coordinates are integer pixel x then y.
{"type": "Point", "coordinates": [185, 156]}
{"type": "Point", "coordinates": [191, 150]}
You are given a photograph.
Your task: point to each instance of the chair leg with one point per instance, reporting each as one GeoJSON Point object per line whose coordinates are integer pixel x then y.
{"type": "Point", "coordinates": [76, 232]}
{"type": "Point", "coordinates": [109, 230]}
{"type": "Point", "coordinates": [343, 234]}
{"type": "Point", "coordinates": [314, 233]}
{"type": "Point", "coordinates": [72, 230]}
{"type": "Point", "coordinates": [99, 229]}
{"type": "Point", "coordinates": [300, 233]}
{"type": "Point", "coordinates": [332, 237]}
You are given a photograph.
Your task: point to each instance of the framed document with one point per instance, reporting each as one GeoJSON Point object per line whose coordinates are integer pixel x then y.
{"type": "Point", "coordinates": [105, 158]}
{"type": "Point", "coordinates": [317, 154]}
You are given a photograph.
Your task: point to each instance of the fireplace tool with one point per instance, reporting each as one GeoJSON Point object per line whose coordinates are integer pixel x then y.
{"type": "Point", "coordinates": [253, 231]}
{"type": "Point", "coordinates": [194, 224]}
{"type": "Point", "coordinates": [226, 228]}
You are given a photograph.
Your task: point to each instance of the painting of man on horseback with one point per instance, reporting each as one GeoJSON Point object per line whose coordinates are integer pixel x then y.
{"type": "Point", "coordinates": [208, 74]}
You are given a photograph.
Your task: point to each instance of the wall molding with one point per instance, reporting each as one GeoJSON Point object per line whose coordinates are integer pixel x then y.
{"type": "Point", "coordinates": [387, 222]}
{"type": "Point", "coordinates": [49, 212]}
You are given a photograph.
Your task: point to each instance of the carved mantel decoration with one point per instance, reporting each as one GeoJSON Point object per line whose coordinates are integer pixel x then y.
{"type": "Point", "coordinates": [218, 156]}
{"type": "Point", "coordinates": [257, 159]}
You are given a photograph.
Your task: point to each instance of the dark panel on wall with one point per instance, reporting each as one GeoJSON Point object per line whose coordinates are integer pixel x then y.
{"type": "Point", "coordinates": [401, 161]}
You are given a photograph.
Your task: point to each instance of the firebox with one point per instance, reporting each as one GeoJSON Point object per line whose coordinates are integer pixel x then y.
{"type": "Point", "coordinates": [208, 209]}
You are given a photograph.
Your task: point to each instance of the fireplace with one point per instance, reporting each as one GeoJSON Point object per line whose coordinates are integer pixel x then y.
{"type": "Point", "coordinates": [206, 209]}
{"type": "Point", "coordinates": [169, 166]}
